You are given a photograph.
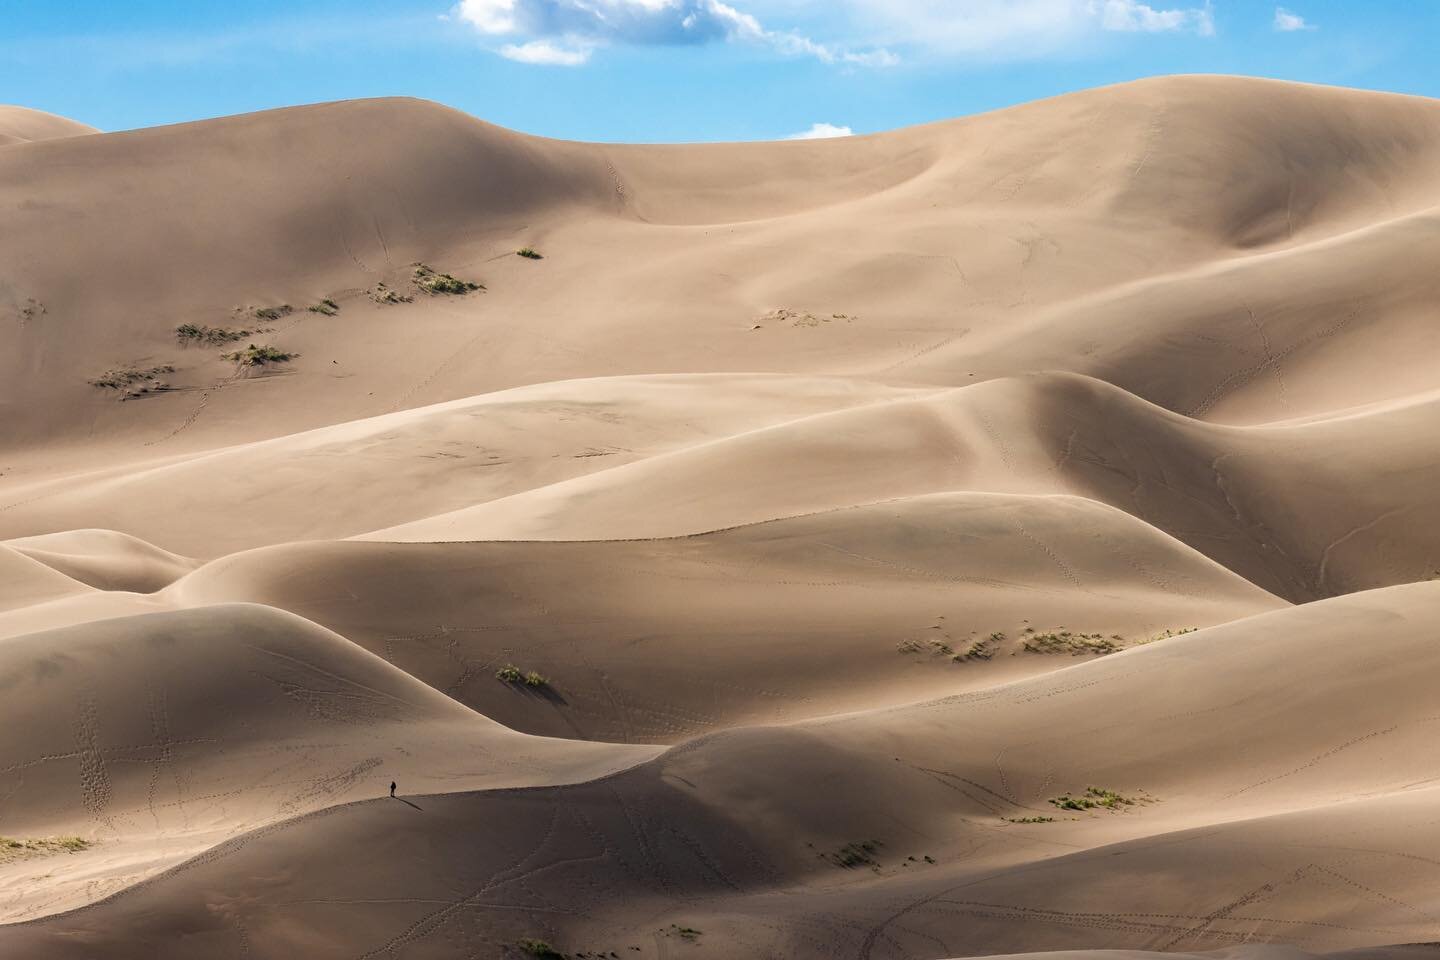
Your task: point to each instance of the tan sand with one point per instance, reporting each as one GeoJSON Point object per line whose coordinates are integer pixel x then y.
{"type": "Point", "coordinates": [854, 502]}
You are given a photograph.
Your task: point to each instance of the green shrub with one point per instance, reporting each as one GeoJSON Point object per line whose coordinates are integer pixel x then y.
{"type": "Point", "coordinates": [121, 377]}
{"type": "Point", "coordinates": [538, 948]}
{"type": "Point", "coordinates": [1092, 798]}
{"type": "Point", "coordinates": [383, 294]}
{"type": "Point", "coordinates": [528, 253]}
{"type": "Point", "coordinates": [513, 674]}
{"type": "Point", "coordinates": [273, 313]}
{"type": "Point", "coordinates": [259, 356]}
{"type": "Point", "coordinates": [327, 307]}
{"type": "Point", "coordinates": [441, 283]}
{"type": "Point", "coordinates": [1075, 644]}
{"type": "Point", "coordinates": [981, 649]}
{"type": "Point", "coordinates": [12, 848]}
{"type": "Point", "coordinates": [213, 336]}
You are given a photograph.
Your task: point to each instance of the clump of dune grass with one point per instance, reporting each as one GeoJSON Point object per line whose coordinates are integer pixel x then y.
{"type": "Point", "coordinates": [212, 336]}
{"type": "Point", "coordinates": [259, 355]}
{"type": "Point", "coordinates": [441, 283]}
{"type": "Point", "coordinates": [326, 307]}
{"type": "Point", "coordinates": [1075, 644]}
{"type": "Point", "coordinates": [1096, 798]}
{"type": "Point", "coordinates": [121, 377]}
{"type": "Point", "coordinates": [513, 674]}
{"type": "Point", "coordinates": [15, 848]}
{"type": "Point", "coordinates": [529, 253]}
{"type": "Point", "coordinates": [383, 294]}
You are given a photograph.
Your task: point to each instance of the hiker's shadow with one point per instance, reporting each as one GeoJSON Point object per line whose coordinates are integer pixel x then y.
{"type": "Point", "coordinates": [406, 802]}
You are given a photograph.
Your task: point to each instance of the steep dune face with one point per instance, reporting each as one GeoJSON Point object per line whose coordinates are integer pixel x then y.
{"type": "Point", "coordinates": [656, 640]}
{"type": "Point", "coordinates": [1009, 534]}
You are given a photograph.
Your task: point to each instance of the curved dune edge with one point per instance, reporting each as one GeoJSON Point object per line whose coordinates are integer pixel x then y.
{"type": "Point", "coordinates": [1259, 828]}
{"type": "Point", "coordinates": [25, 125]}
{"type": "Point", "coordinates": [188, 727]}
{"type": "Point", "coordinates": [1272, 503]}
{"type": "Point", "coordinates": [862, 606]}
{"type": "Point", "coordinates": [106, 559]}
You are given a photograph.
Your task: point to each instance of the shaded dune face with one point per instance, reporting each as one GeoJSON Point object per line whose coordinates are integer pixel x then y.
{"type": "Point", "coordinates": [1007, 536]}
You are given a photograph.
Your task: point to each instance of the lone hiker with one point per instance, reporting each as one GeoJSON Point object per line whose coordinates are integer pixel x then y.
{"type": "Point", "coordinates": [392, 788]}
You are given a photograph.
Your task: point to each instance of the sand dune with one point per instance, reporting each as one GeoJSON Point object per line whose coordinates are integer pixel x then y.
{"type": "Point", "coordinates": [1275, 503]}
{"type": "Point", "coordinates": [854, 503]}
{"type": "Point", "coordinates": [655, 640]}
{"type": "Point", "coordinates": [728, 835]}
{"type": "Point", "coordinates": [414, 464]}
{"type": "Point", "coordinates": [24, 125]}
{"type": "Point", "coordinates": [105, 559]}
{"type": "Point", "coordinates": [155, 737]}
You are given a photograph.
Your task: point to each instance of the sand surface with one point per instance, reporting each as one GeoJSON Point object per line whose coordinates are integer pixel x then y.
{"type": "Point", "coordinates": [855, 502]}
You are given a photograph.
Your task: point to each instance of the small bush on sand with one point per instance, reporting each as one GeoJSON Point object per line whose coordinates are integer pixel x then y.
{"type": "Point", "coordinates": [1092, 798]}
{"type": "Point", "coordinates": [122, 377]}
{"type": "Point", "coordinates": [14, 848]}
{"type": "Point", "coordinates": [1075, 644]}
{"type": "Point", "coordinates": [327, 307]}
{"type": "Point", "coordinates": [213, 336]}
{"type": "Point", "coordinates": [383, 295]}
{"type": "Point", "coordinates": [538, 948]}
{"type": "Point", "coordinates": [529, 253]}
{"type": "Point", "coordinates": [513, 674]}
{"type": "Point", "coordinates": [259, 356]}
{"type": "Point", "coordinates": [981, 649]}
{"type": "Point", "coordinates": [273, 313]}
{"type": "Point", "coordinates": [438, 283]}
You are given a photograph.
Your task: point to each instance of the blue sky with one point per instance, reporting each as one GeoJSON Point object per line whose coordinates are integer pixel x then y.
{"type": "Point", "coordinates": [667, 70]}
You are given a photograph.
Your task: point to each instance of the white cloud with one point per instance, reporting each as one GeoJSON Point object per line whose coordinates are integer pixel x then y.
{"type": "Point", "coordinates": [546, 53]}
{"type": "Point", "coordinates": [1288, 22]}
{"type": "Point", "coordinates": [822, 131]}
{"type": "Point", "coordinates": [582, 25]}
{"type": "Point", "coordinates": [1131, 16]}
{"type": "Point", "coordinates": [488, 16]}
{"type": "Point", "coordinates": [856, 33]}
{"type": "Point", "coordinates": [995, 29]}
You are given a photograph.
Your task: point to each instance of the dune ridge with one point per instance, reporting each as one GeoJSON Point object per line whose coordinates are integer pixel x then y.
{"type": "Point", "coordinates": [1010, 536]}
